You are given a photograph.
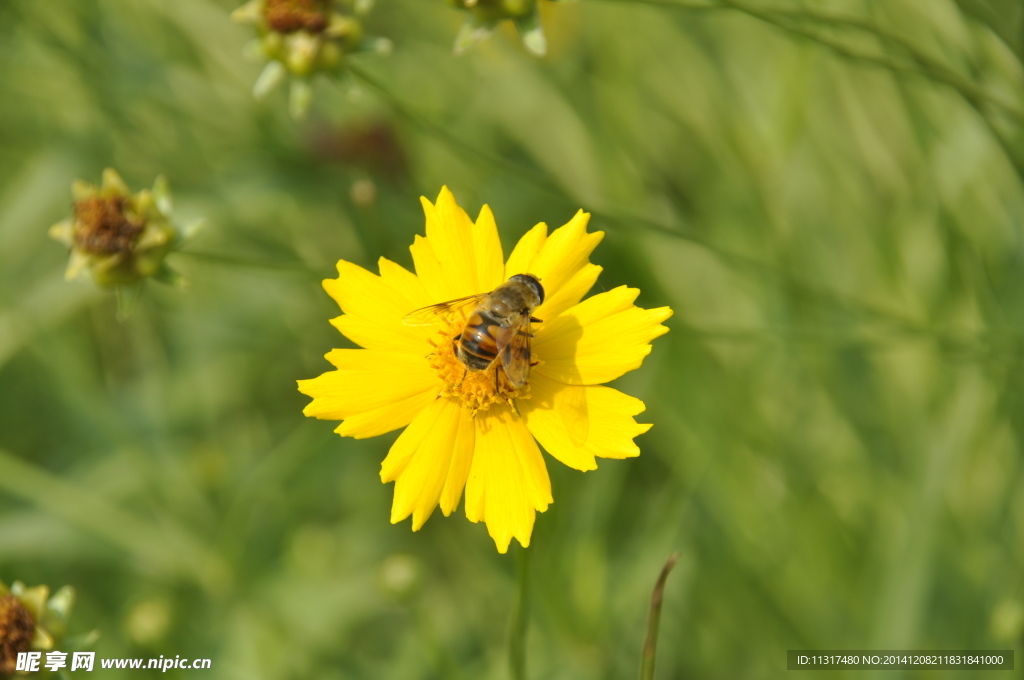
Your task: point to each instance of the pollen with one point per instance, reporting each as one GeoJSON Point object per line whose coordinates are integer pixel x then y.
{"type": "Point", "coordinates": [477, 390]}
{"type": "Point", "coordinates": [104, 226]}
{"type": "Point", "coordinates": [16, 631]}
{"type": "Point", "coordinates": [289, 16]}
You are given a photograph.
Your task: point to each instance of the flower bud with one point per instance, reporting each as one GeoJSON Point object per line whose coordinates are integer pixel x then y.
{"type": "Point", "coordinates": [121, 238]}
{"type": "Point", "coordinates": [485, 15]}
{"type": "Point", "coordinates": [302, 38]}
{"type": "Point", "coordinates": [32, 620]}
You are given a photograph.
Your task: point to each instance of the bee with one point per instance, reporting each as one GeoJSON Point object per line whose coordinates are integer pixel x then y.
{"type": "Point", "coordinates": [497, 331]}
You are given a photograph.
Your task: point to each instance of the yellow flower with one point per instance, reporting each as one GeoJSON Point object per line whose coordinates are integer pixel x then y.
{"type": "Point", "coordinates": [467, 430]}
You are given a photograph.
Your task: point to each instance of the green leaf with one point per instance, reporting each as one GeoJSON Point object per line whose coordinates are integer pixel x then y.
{"type": "Point", "coordinates": [1004, 17]}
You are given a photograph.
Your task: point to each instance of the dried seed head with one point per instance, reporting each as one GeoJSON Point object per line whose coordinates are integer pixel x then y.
{"type": "Point", "coordinates": [104, 228]}
{"type": "Point", "coordinates": [289, 16]}
{"type": "Point", "coordinates": [16, 631]}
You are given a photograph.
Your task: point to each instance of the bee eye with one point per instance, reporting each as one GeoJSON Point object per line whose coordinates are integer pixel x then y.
{"type": "Point", "coordinates": [539, 289]}
{"type": "Point", "coordinates": [533, 283]}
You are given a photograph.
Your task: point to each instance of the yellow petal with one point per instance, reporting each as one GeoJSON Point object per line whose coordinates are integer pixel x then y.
{"type": "Point", "coordinates": [560, 261]}
{"type": "Point", "coordinates": [375, 306]}
{"type": "Point", "coordinates": [446, 259]}
{"type": "Point", "coordinates": [41, 639]}
{"type": "Point", "coordinates": [249, 13]}
{"type": "Point", "coordinates": [559, 299]}
{"type": "Point", "coordinates": [82, 190]}
{"type": "Point", "coordinates": [113, 184]}
{"type": "Point", "coordinates": [462, 460]}
{"type": "Point", "coordinates": [428, 448]}
{"type": "Point", "coordinates": [386, 418]}
{"type": "Point", "coordinates": [566, 250]}
{"type": "Point", "coordinates": [553, 407]}
{"type": "Point", "coordinates": [508, 481]}
{"type": "Point", "coordinates": [390, 383]}
{"type": "Point", "coordinates": [526, 251]}
{"type": "Point", "coordinates": [64, 232]}
{"type": "Point", "coordinates": [403, 280]}
{"type": "Point", "coordinates": [599, 339]}
{"type": "Point", "coordinates": [33, 599]}
{"type": "Point", "coordinates": [405, 446]}
{"type": "Point", "coordinates": [77, 262]}
{"type": "Point", "coordinates": [102, 264]}
{"type": "Point", "coordinates": [431, 273]}
{"type": "Point", "coordinates": [490, 263]}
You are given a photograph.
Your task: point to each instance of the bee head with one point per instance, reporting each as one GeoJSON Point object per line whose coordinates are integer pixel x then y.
{"type": "Point", "coordinates": [531, 282]}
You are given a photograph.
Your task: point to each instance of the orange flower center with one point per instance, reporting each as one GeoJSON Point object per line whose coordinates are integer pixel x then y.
{"type": "Point", "coordinates": [477, 390]}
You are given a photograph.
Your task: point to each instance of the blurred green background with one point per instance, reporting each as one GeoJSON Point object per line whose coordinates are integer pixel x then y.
{"type": "Point", "coordinates": [833, 207]}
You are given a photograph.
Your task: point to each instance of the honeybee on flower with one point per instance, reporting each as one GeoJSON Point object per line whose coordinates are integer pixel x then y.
{"type": "Point", "coordinates": [475, 396]}
{"type": "Point", "coordinates": [497, 333]}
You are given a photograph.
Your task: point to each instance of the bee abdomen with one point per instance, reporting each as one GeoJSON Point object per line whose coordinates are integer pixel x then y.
{"type": "Point", "coordinates": [477, 347]}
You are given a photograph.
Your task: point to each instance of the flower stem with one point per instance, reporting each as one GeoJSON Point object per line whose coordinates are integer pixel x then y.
{"type": "Point", "coordinates": [517, 640]}
{"type": "Point", "coordinates": [653, 620]}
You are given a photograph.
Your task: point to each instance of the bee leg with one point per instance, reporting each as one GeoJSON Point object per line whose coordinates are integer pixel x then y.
{"type": "Point", "coordinates": [497, 388]}
{"type": "Point", "coordinates": [536, 320]}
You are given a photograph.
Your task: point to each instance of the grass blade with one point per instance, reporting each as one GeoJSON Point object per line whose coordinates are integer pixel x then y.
{"type": "Point", "coordinates": [654, 619]}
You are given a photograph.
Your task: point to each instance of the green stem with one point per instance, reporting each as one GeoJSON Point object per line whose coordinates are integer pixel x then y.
{"type": "Point", "coordinates": [654, 619]}
{"type": "Point", "coordinates": [517, 640]}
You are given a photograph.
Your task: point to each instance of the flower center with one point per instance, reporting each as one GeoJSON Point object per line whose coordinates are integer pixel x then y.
{"type": "Point", "coordinates": [103, 226]}
{"type": "Point", "coordinates": [16, 631]}
{"type": "Point", "coordinates": [476, 389]}
{"type": "Point", "coordinates": [289, 16]}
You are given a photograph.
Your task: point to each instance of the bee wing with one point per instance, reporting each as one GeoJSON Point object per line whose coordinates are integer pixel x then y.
{"type": "Point", "coordinates": [443, 310]}
{"type": "Point", "coordinates": [515, 352]}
